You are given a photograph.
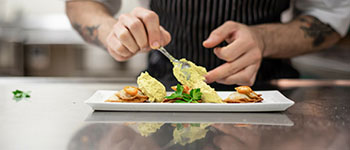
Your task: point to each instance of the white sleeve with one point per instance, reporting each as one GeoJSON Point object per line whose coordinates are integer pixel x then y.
{"type": "Point", "coordinates": [336, 13]}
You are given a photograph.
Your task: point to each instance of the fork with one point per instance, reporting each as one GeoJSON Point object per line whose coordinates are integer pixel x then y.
{"type": "Point", "coordinates": [184, 65]}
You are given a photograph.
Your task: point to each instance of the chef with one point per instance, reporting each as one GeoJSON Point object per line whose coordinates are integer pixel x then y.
{"type": "Point", "coordinates": [239, 42]}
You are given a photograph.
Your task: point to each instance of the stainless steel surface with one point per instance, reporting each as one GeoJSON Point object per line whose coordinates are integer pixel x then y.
{"type": "Point", "coordinates": [56, 118]}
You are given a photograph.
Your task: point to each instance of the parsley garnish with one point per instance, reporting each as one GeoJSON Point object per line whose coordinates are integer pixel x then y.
{"type": "Point", "coordinates": [195, 124]}
{"type": "Point", "coordinates": [20, 94]}
{"type": "Point", "coordinates": [193, 97]}
{"type": "Point", "coordinates": [179, 126]}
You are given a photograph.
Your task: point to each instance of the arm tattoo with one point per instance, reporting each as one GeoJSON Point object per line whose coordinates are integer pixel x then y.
{"type": "Point", "coordinates": [89, 33]}
{"type": "Point", "coordinates": [315, 29]}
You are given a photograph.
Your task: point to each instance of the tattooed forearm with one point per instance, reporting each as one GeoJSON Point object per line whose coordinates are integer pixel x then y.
{"type": "Point", "coordinates": [89, 33]}
{"type": "Point", "coordinates": [315, 29]}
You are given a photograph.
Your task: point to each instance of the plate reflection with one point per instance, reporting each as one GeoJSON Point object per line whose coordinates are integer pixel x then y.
{"type": "Point", "coordinates": [161, 130]}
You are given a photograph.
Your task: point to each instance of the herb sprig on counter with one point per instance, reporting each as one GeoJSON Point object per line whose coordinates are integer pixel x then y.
{"type": "Point", "coordinates": [193, 97]}
{"type": "Point", "coordinates": [21, 94]}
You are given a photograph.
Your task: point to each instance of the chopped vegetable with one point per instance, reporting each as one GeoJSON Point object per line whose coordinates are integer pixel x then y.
{"type": "Point", "coordinates": [186, 89]}
{"type": "Point", "coordinates": [183, 97]}
{"type": "Point", "coordinates": [21, 94]}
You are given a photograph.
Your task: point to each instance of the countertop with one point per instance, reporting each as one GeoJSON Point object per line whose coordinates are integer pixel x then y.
{"type": "Point", "coordinates": [56, 118]}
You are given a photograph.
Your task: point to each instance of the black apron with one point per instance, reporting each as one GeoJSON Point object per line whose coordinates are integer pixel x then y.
{"type": "Point", "coordinates": [191, 21]}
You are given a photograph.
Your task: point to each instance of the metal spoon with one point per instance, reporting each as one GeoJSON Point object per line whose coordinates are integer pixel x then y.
{"type": "Point", "coordinates": [184, 65]}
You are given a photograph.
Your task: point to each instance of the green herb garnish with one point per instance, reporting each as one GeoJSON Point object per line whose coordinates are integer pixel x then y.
{"type": "Point", "coordinates": [20, 94]}
{"type": "Point", "coordinates": [195, 124]}
{"type": "Point", "coordinates": [193, 97]}
{"type": "Point", "coordinates": [179, 126]}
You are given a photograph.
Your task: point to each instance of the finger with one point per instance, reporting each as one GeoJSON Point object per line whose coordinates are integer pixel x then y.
{"type": "Point", "coordinates": [233, 51]}
{"type": "Point", "coordinates": [220, 34]}
{"type": "Point", "coordinates": [117, 56]}
{"type": "Point", "coordinates": [166, 36]}
{"type": "Point", "coordinates": [225, 142]}
{"type": "Point", "coordinates": [151, 21]}
{"type": "Point", "coordinates": [146, 49]}
{"type": "Point", "coordinates": [136, 28]}
{"type": "Point", "coordinates": [124, 144]}
{"type": "Point", "coordinates": [125, 37]}
{"type": "Point", "coordinates": [226, 128]}
{"type": "Point", "coordinates": [244, 77]}
{"type": "Point", "coordinates": [230, 68]}
{"type": "Point", "coordinates": [115, 45]}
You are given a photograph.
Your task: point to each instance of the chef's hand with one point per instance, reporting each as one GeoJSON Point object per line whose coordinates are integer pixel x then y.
{"type": "Point", "coordinates": [134, 32]}
{"type": "Point", "coordinates": [243, 54]}
{"type": "Point", "coordinates": [123, 137]}
{"type": "Point", "coordinates": [235, 137]}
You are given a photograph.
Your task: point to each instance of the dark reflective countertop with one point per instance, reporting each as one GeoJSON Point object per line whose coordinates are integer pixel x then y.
{"type": "Point", "coordinates": [55, 117]}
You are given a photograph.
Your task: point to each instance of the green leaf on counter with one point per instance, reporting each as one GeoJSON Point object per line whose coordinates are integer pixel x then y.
{"type": "Point", "coordinates": [21, 94]}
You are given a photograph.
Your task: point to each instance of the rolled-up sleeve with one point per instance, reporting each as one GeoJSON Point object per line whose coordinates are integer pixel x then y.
{"type": "Point", "coordinates": [336, 13]}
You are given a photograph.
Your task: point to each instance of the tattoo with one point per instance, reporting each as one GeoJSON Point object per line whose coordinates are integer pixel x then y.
{"type": "Point", "coordinates": [315, 29]}
{"type": "Point", "coordinates": [89, 33]}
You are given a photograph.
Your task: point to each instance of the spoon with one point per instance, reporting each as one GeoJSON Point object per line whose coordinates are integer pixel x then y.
{"type": "Point", "coordinates": [184, 65]}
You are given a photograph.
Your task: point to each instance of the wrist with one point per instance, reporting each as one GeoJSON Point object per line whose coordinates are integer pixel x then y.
{"type": "Point", "coordinates": [259, 34]}
{"type": "Point", "coordinates": [105, 29]}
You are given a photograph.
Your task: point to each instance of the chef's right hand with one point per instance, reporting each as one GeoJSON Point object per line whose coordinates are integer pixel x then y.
{"type": "Point", "coordinates": [134, 32]}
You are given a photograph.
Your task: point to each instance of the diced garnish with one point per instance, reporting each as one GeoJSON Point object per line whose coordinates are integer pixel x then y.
{"type": "Point", "coordinates": [186, 89]}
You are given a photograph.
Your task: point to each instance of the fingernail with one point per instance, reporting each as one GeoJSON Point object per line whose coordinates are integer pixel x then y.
{"type": "Point", "coordinates": [206, 79]}
{"type": "Point", "coordinates": [155, 45]}
{"type": "Point", "coordinates": [216, 50]}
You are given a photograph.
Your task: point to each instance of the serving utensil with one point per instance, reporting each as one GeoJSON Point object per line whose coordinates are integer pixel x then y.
{"type": "Point", "coordinates": [184, 65]}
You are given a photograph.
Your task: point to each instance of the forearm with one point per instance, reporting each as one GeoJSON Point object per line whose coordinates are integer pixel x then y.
{"type": "Point", "coordinates": [304, 34]}
{"type": "Point", "coordinates": [92, 20]}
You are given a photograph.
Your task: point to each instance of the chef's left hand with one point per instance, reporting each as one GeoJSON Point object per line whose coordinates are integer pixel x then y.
{"type": "Point", "coordinates": [243, 54]}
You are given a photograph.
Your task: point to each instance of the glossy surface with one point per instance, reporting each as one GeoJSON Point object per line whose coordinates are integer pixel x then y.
{"type": "Point", "coordinates": [55, 117]}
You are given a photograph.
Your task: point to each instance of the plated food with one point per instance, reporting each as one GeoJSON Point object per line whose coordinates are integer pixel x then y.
{"type": "Point", "coordinates": [194, 89]}
{"type": "Point", "coordinates": [244, 94]}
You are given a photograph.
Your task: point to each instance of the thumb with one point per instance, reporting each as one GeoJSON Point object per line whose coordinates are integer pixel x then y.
{"type": "Point", "coordinates": [166, 37]}
{"type": "Point", "coordinates": [220, 34]}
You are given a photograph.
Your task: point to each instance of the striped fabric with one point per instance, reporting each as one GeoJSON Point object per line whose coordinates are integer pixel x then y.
{"type": "Point", "coordinates": [191, 21]}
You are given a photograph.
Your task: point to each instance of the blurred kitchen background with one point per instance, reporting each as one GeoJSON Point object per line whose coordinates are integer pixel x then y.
{"type": "Point", "coordinates": [36, 39]}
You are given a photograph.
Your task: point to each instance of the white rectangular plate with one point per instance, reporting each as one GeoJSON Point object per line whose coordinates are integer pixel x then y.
{"type": "Point", "coordinates": [273, 101]}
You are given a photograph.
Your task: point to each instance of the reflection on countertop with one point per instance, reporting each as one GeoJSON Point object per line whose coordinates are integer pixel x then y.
{"type": "Point", "coordinates": [56, 117]}
{"type": "Point", "coordinates": [316, 134]}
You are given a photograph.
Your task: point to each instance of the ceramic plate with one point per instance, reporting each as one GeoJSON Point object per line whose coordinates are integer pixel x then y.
{"type": "Point", "coordinates": [273, 101]}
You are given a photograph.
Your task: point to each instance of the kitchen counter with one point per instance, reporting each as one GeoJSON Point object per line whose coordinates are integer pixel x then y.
{"type": "Point", "coordinates": [56, 118]}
